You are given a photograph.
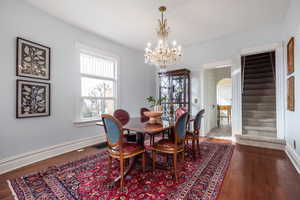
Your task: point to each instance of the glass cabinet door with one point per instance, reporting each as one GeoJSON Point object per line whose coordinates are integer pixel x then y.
{"type": "Point", "coordinates": [175, 88]}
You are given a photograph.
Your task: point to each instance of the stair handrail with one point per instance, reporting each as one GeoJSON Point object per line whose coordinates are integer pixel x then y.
{"type": "Point", "coordinates": [243, 72]}
{"type": "Point", "coordinates": [273, 67]}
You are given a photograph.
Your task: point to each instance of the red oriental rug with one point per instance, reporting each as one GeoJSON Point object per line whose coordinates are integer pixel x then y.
{"type": "Point", "coordinates": [87, 179]}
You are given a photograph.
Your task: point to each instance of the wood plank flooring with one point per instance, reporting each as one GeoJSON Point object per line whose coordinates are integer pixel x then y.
{"type": "Point", "coordinates": [254, 174]}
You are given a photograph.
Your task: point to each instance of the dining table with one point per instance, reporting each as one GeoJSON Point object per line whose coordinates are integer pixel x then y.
{"type": "Point", "coordinates": [142, 128]}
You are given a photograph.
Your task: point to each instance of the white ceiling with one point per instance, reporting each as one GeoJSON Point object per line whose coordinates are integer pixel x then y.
{"type": "Point", "coordinates": [133, 22]}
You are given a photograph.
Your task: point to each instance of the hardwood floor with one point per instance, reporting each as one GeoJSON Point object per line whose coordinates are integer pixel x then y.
{"type": "Point", "coordinates": [260, 174]}
{"type": "Point", "coordinates": [223, 132]}
{"type": "Point", "coordinates": [254, 174]}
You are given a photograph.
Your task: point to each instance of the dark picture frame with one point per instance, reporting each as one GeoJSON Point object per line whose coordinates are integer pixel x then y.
{"type": "Point", "coordinates": [290, 56]}
{"type": "Point", "coordinates": [291, 94]}
{"type": "Point", "coordinates": [32, 60]}
{"type": "Point", "coordinates": [32, 99]}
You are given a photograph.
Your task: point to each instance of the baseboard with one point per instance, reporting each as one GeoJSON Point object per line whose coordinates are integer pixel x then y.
{"type": "Point", "coordinates": [24, 159]}
{"type": "Point", "coordinates": [293, 156]}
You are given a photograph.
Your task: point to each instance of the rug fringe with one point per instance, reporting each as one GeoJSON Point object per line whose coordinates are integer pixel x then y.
{"type": "Point", "coordinates": [12, 190]}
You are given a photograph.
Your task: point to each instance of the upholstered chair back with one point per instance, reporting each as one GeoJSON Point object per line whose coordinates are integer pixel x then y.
{"type": "Point", "coordinates": [198, 119]}
{"type": "Point", "coordinates": [144, 118]}
{"type": "Point", "coordinates": [180, 111]}
{"type": "Point", "coordinates": [122, 116]}
{"type": "Point", "coordinates": [181, 126]}
{"type": "Point", "coordinates": [113, 130]}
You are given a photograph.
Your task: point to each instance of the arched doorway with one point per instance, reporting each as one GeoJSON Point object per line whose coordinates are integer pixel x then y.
{"type": "Point", "coordinates": [223, 89]}
{"type": "Point", "coordinates": [224, 92]}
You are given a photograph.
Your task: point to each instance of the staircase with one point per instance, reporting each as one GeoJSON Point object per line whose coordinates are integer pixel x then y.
{"type": "Point", "coordinates": [259, 101]}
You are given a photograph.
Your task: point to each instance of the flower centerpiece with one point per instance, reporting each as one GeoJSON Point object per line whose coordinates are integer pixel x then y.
{"type": "Point", "coordinates": [155, 103]}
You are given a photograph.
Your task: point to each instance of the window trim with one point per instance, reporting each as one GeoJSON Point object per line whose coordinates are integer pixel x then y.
{"type": "Point", "coordinates": [93, 51]}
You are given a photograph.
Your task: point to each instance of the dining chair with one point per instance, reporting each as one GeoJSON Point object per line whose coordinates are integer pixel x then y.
{"type": "Point", "coordinates": [172, 146]}
{"type": "Point", "coordinates": [117, 148]}
{"type": "Point", "coordinates": [124, 117]}
{"type": "Point", "coordinates": [223, 112]}
{"type": "Point", "coordinates": [144, 118]}
{"type": "Point", "coordinates": [194, 135]}
{"type": "Point", "coordinates": [179, 111]}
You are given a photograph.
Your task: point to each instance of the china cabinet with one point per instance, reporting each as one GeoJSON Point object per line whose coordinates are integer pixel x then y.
{"type": "Point", "coordinates": [175, 86]}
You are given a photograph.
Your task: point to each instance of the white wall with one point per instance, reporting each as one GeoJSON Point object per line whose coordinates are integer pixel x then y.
{"type": "Point", "coordinates": [195, 95]}
{"type": "Point", "coordinates": [292, 28]}
{"type": "Point", "coordinates": [227, 48]}
{"type": "Point", "coordinates": [209, 101]}
{"type": "Point", "coordinates": [18, 18]}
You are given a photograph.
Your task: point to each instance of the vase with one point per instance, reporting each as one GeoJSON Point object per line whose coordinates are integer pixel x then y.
{"type": "Point", "coordinates": [154, 117]}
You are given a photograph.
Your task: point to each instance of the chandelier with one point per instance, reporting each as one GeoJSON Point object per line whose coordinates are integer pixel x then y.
{"type": "Point", "coordinates": [163, 55]}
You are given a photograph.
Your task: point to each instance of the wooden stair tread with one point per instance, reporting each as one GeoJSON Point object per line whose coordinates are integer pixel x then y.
{"type": "Point", "coordinates": [259, 96]}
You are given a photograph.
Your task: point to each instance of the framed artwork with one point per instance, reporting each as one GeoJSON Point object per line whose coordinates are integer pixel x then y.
{"type": "Point", "coordinates": [33, 99]}
{"type": "Point", "coordinates": [290, 56]}
{"type": "Point", "coordinates": [33, 60]}
{"type": "Point", "coordinates": [291, 94]}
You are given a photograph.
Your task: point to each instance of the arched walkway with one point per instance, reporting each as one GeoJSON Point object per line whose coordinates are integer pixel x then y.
{"type": "Point", "coordinates": [224, 98]}
{"type": "Point", "coordinates": [224, 92]}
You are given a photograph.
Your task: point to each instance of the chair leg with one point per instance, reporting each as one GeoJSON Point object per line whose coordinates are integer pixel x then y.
{"type": "Point", "coordinates": [198, 143]}
{"type": "Point", "coordinates": [109, 165]}
{"type": "Point", "coordinates": [193, 147]}
{"type": "Point", "coordinates": [144, 161]}
{"type": "Point", "coordinates": [153, 139]}
{"type": "Point", "coordinates": [122, 173]}
{"type": "Point", "coordinates": [182, 154]}
{"type": "Point", "coordinates": [153, 159]}
{"type": "Point", "coordinates": [175, 166]}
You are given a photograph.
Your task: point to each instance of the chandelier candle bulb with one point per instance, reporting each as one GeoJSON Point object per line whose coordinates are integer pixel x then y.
{"type": "Point", "coordinates": [174, 43]}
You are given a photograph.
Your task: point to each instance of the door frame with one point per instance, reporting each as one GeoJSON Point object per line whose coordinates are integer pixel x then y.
{"type": "Point", "coordinates": [213, 65]}
{"type": "Point", "coordinates": [280, 82]}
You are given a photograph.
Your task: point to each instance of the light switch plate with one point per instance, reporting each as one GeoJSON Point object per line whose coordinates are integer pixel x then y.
{"type": "Point", "coordinates": [195, 100]}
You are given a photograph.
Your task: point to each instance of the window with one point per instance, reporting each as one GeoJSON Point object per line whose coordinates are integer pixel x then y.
{"type": "Point", "coordinates": [98, 85]}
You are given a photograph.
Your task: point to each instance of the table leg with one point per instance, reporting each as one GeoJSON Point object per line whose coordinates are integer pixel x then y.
{"type": "Point", "coordinates": [130, 166]}
{"type": "Point", "coordinates": [140, 138]}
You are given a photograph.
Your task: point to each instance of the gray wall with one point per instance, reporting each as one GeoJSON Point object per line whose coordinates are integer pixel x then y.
{"type": "Point", "coordinates": [18, 18]}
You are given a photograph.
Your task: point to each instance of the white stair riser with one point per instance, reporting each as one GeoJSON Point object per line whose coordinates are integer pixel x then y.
{"type": "Point", "coordinates": [257, 128]}
{"type": "Point", "coordinates": [261, 124]}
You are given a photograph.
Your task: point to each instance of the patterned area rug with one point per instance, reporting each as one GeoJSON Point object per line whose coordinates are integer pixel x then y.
{"type": "Point", "coordinates": [87, 179]}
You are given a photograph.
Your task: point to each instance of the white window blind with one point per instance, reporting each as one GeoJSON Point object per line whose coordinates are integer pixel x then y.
{"type": "Point", "coordinates": [98, 85]}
